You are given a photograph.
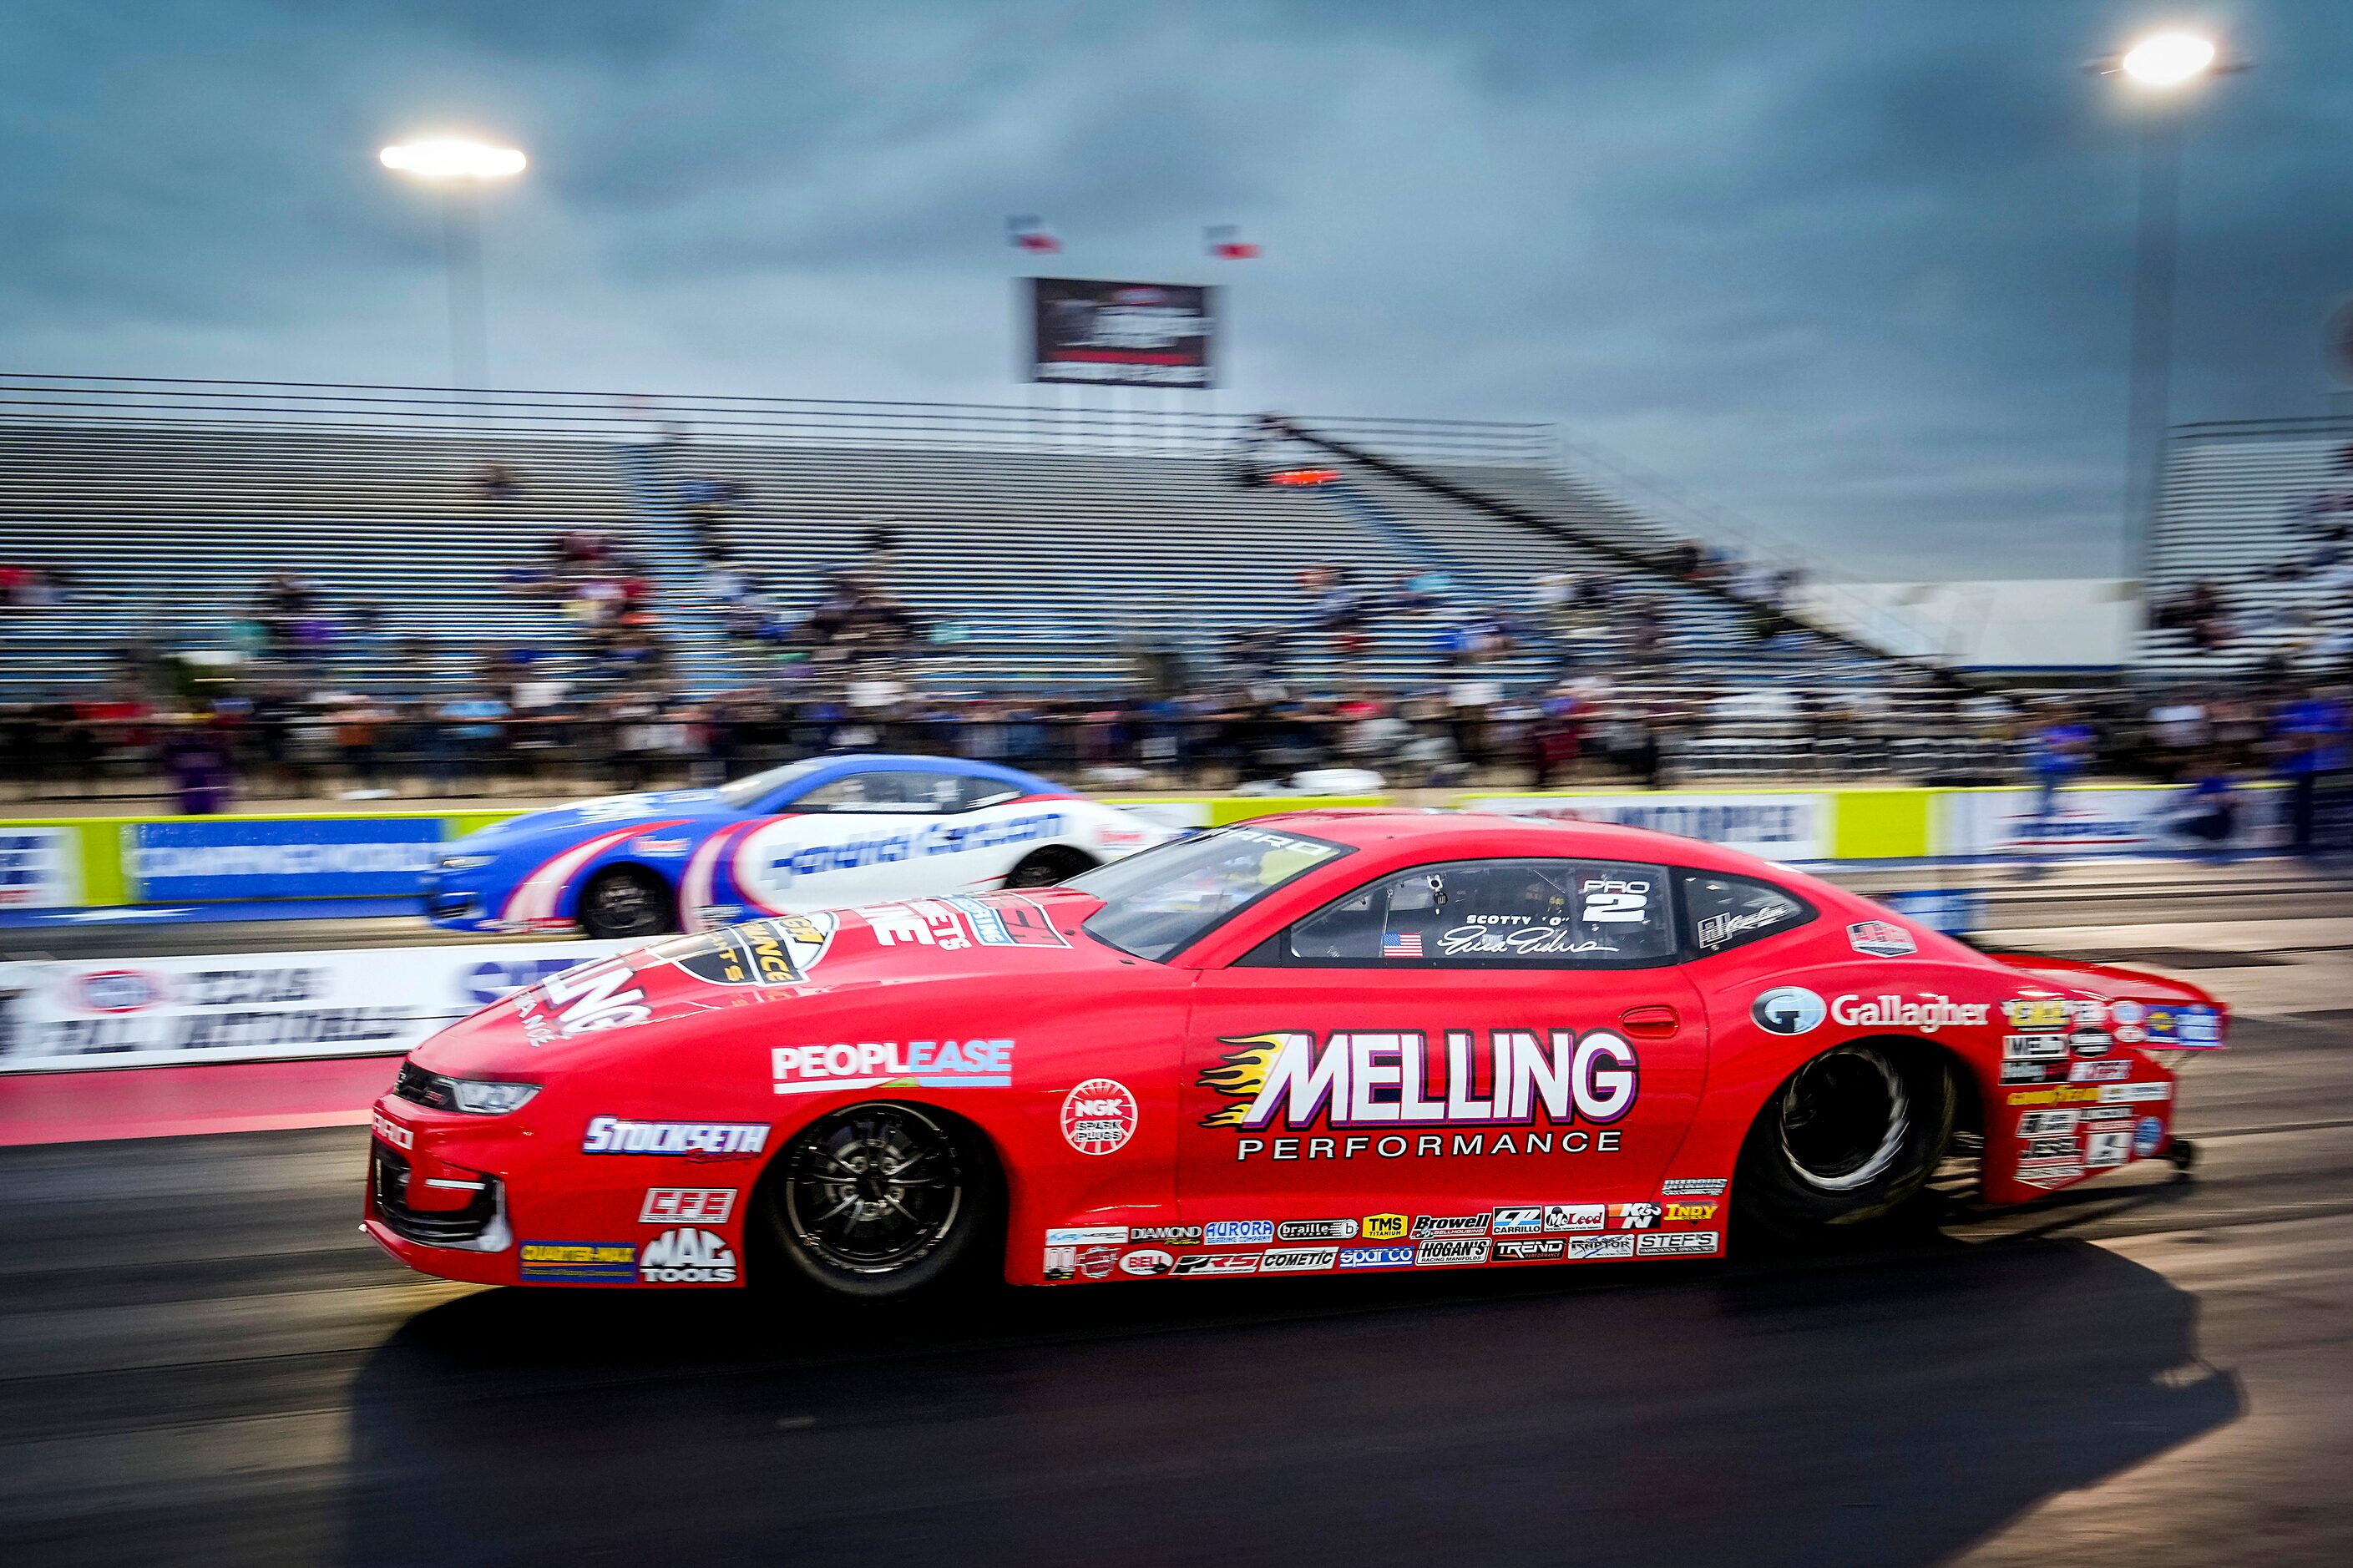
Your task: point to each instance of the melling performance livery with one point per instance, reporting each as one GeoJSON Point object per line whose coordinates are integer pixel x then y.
{"type": "Point", "coordinates": [1324, 1043]}
{"type": "Point", "coordinates": [811, 835]}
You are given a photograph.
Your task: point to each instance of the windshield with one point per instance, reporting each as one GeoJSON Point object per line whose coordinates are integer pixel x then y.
{"type": "Point", "coordinates": [1156, 902]}
{"type": "Point", "coordinates": [750, 790]}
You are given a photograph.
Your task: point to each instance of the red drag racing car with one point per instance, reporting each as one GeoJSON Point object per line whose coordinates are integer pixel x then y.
{"type": "Point", "coordinates": [1322, 1042]}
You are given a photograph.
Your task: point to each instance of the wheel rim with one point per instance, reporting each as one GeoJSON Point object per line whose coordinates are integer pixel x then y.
{"type": "Point", "coordinates": [623, 905]}
{"type": "Point", "coordinates": [1035, 874]}
{"type": "Point", "coordinates": [1844, 1119]}
{"type": "Point", "coordinates": [872, 1189]}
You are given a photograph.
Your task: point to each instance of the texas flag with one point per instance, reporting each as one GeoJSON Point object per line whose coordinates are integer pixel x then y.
{"type": "Point", "coordinates": [1030, 234]}
{"type": "Point", "coordinates": [1226, 243]}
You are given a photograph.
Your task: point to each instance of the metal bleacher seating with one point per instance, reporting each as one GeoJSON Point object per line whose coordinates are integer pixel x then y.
{"type": "Point", "coordinates": [1042, 546]}
{"type": "Point", "coordinates": [2239, 502]}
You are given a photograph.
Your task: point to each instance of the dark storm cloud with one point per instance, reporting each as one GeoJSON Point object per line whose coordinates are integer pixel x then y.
{"type": "Point", "coordinates": [1856, 268]}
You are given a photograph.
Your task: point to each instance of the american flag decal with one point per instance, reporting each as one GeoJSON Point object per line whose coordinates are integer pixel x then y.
{"type": "Point", "coordinates": [1401, 944]}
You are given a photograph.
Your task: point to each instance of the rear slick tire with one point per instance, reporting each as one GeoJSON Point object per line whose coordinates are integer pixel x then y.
{"type": "Point", "coordinates": [882, 1200]}
{"type": "Point", "coordinates": [1847, 1140]}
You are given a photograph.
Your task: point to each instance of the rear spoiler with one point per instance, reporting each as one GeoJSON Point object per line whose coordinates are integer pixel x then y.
{"type": "Point", "coordinates": [2175, 1014]}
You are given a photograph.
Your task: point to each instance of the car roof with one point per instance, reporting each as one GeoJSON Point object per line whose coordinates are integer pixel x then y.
{"type": "Point", "coordinates": [1479, 833]}
{"type": "Point", "coordinates": [831, 768]}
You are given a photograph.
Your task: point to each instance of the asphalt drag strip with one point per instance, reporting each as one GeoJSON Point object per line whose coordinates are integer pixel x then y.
{"type": "Point", "coordinates": [203, 1362]}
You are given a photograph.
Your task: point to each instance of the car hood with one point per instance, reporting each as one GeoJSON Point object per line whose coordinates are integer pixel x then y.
{"type": "Point", "coordinates": [836, 960]}
{"type": "Point", "coordinates": [603, 812]}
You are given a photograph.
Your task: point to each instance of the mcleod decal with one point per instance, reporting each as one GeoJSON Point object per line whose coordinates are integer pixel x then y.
{"type": "Point", "coordinates": [1576, 1217]}
{"type": "Point", "coordinates": [874, 1064]}
{"type": "Point", "coordinates": [1927, 1014]}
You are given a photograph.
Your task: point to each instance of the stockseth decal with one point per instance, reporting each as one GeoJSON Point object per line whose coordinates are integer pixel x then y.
{"type": "Point", "coordinates": [676, 1206]}
{"type": "Point", "coordinates": [1363, 1078]}
{"type": "Point", "coordinates": [687, 1140]}
{"type": "Point", "coordinates": [1592, 1249]}
{"type": "Point", "coordinates": [1299, 1261]}
{"type": "Point", "coordinates": [1099, 1116]}
{"type": "Point", "coordinates": [687, 1258]}
{"type": "Point", "coordinates": [1693, 1187]}
{"type": "Point", "coordinates": [1450, 1249]}
{"type": "Point", "coordinates": [1659, 1243]}
{"type": "Point", "coordinates": [873, 1063]}
{"type": "Point", "coordinates": [579, 1263]}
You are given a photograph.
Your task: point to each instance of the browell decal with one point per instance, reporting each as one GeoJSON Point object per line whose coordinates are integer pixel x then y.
{"type": "Point", "coordinates": [1380, 1079]}
{"type": "Point", "coordinates": [869, 1064]}
{"type": "Point", "coordinates": [1430, 1225]}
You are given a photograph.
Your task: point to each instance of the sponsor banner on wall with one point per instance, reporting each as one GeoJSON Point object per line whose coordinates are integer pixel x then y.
{"type": "Point", "coordinates": [268, 857]}
{"type": "Point", "coordinates": [40, 867]}
{"type": "Point", "coordinates": [1788, 827]}
{"type": "Point", "coordinates": [2149, 820]}
{"type": "Point", "coordinates": [257, 1006]}
{"type": "Point", "coordinates": [1121, 334]}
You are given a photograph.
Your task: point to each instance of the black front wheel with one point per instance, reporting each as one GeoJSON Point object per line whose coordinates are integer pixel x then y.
{"type": "Point", "coordinates": [1847, 1139]}
{"type": "Point", "coordinates": [1046, 868]}
{"type": "Point", "coordinates": [626, 902]}
{"type": "Point", "coordinates": [882, 1200]}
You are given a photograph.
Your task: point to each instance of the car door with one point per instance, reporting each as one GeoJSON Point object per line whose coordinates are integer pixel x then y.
{"type": "Point", "coordinates": [857, 838]}
{"type": "Point", "coordinates": [1444, 1043]}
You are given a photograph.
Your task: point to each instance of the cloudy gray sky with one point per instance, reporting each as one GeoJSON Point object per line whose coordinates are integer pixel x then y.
{"type": "Point", "coordinates": [1856, 268]}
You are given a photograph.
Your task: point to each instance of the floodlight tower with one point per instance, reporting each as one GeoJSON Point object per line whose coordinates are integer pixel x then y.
{"type": "Point", "coordinates": [459, 168]}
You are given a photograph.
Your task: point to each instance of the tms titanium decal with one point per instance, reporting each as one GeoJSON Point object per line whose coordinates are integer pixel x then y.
{"type": "Point", "coordinates": [1378, 1079]}
{"type": "Point", "coordinates": [869, 1064]}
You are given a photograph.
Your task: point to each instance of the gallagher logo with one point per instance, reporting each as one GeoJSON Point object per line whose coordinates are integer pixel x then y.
{"type": "Point", "coordinates": [1789, 1010]}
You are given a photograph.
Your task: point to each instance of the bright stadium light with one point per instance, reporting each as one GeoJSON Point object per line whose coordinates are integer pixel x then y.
{"type": "Point", "coordinates": [453, 158]}
{"type": "Point", "coordinates": [2168, 59]}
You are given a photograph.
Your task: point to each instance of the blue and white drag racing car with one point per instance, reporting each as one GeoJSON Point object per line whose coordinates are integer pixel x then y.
{"type": "Point", "coordinates": [822, 834]}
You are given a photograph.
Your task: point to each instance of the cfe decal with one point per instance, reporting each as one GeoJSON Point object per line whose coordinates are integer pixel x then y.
{"type": "Point", "coordinates": [1383, 1078]}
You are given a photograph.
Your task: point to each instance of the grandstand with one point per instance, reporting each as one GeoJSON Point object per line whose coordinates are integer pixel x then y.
{"type": "Point", "coordinates": [2248, 509]}
{"type": "Point", "coordinates": [1043, 546]}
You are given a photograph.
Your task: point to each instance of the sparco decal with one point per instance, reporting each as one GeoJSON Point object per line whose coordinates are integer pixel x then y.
{"type": "Point", "coordinates": [1927, 1014]}
{"type": "Point", "coordinates": [1099, 1116]}
{"type": "Point", "coordinates": [1383, 1079]}
{"type": "Point", "coordinates": [1376, 1257]}
{"type": "Point", "coordinates": [687, 1258]}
